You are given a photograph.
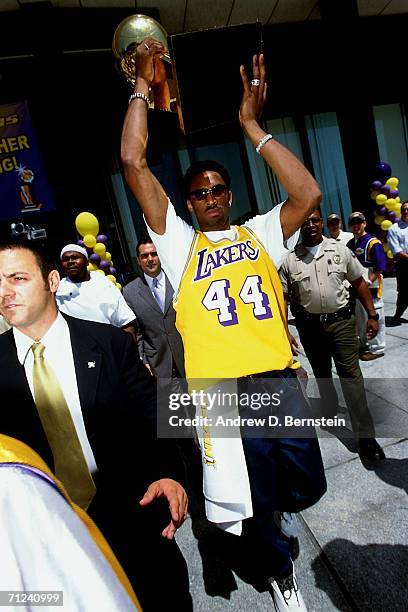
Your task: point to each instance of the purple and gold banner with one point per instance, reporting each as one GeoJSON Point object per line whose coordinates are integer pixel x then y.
{"type": "Point", "coordinates": [23, 182]}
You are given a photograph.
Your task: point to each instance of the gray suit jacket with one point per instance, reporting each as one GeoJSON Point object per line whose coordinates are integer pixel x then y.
{"type": "Point", "coordinates": [158, 339]}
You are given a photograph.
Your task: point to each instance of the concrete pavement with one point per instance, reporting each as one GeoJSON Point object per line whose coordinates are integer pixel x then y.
{"type": "Point", "coordinates": [353, 545]}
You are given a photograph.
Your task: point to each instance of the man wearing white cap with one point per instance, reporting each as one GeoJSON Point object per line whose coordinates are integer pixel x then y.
{"type": "Point", "coordinates": [90, 296]}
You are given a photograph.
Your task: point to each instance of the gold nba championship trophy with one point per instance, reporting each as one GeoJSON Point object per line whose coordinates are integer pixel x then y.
{"type": "Point", "coordinates": [128, 35]}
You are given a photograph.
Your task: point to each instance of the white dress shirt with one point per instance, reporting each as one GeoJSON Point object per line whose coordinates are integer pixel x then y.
{"type": "Point", "coordinates": [58, 353]}
{"type": "Point", "coordinates": [160, 288]}
{"type": "Point", "coordinates": [398, 237]}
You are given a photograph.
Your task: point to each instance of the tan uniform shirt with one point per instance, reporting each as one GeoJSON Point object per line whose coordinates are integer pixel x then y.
{"type": "Point", "coordinates": [317, 283]}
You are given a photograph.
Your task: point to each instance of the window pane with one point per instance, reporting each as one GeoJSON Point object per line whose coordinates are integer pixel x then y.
{"type": "Point", "coordinates": [285, 132]}
{"type": "Point", "coordinates": [328, 163]}
{"type": "Point", "coordinates": [391, 128]}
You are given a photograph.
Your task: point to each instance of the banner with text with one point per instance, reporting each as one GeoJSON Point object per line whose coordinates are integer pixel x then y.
{"type": "Point", "coordinates": [23, 182]}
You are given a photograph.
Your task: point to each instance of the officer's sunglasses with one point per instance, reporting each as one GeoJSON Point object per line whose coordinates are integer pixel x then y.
{"type": "Point", "coordinates": [217, 191]}
{"type": "Point", "coordinates": [312, 221]}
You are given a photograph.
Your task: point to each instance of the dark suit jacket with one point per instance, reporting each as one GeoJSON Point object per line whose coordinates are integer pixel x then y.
{"type": "Point", "coordinates": [118, 400]}
{"type": "Point", "coordinates": [158, 339]}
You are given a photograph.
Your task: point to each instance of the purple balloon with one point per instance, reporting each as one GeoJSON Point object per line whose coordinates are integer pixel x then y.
{"type": "Point", "coordinates": [102, 238]}
{"type": "Point", "coordinates": [382, 210]}
{"type": "Point", "coordinates": [104, 265]}
{"type": "Point", "coordinates": [392, 216]}
{"type": "Point", "coordinates": [376, 186]}
{"type": "Point", "coordinates": [112, 271]}
{"type": "Point", "coordinates": [383, 171]}
{"type": "Point", "coordinates": [80, 243]}
{"type": "Point", "coordinates": [95, 259]}
{"type": "Point", "coordinates": [394, 193]}
{"type": "Point", "coordinates": [89, 250]}
{"type": "Point", "coordinates": [385, 189]}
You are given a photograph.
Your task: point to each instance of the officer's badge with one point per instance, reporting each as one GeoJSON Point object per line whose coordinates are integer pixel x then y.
{"type": "Point", "coordinates": [336, 258]}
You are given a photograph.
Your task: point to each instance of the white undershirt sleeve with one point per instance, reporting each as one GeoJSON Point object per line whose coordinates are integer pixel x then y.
{"type": "Point", "coordinates": [268, 228]}
{"type": "Point", "coordinates": [173, 246]}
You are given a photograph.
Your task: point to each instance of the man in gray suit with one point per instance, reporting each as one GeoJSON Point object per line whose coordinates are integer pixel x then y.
{"type": "Point", "coordinates": [150, 297]}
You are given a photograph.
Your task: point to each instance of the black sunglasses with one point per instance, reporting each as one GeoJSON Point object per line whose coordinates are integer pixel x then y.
{"type": "Point", "coordinates": [217, 191]}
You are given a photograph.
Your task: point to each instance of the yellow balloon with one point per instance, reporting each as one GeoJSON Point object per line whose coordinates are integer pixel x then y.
{"type": "Point", "coordinates": [398, 199]}
{"type": "Point", "coordinates": [119, 286]}
{"type": "Point", "coordinates": [100, 249]}
{"type": "Point", "coordinates": [111, 278]}
{"type": "Point", "coordinates": [381, 199]}
{"type": "Point", "coordinates": [108, 256]}
{"type": "Point", "coordinates": [89, 241]}
{"type": "Point", "coordinates": [378, 219]}
{"type": "Point", "coordinates": [91, 267]}
{"type": "Point", "coordinates": [392, 182]}
{"type": "Point", "coordinates": [87, 223]}
{"type": "Point", "coordinates": [390, 203]}
{"type": "Point", "coordinates": [374, 194]}
{"type": "Point", "coordinates": [385, 225]}
{"type": "Point", "coordinates": [389, 254]}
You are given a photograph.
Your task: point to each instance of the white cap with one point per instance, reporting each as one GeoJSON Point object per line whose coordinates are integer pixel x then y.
{"type": "Point", "coordinates": [76, 248]}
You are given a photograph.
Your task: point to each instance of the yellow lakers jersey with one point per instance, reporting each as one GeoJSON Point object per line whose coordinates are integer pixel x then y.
{"type": "Point", "coordinates": [230, 309]}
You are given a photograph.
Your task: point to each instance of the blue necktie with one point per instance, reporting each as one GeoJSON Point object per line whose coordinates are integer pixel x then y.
{"type": "Point", "coordinates": [157, 294]}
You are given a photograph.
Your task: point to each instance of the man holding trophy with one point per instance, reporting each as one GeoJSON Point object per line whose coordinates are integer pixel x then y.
{"type": "Point", "coordinates": [231, 317]}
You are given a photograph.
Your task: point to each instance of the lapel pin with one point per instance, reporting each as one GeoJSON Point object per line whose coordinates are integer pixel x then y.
{"type": "Point", "coordinates": [91, 364]}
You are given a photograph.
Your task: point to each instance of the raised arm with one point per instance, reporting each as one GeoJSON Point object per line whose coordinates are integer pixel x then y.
{"type": "Point", "coordinates": [144, 185]}
{"type": "Point", "coordinates": [303, 191]}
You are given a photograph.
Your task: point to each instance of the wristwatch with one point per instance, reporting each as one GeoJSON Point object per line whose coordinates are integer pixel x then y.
{"type": "Point", "coordinates": [374, 317]}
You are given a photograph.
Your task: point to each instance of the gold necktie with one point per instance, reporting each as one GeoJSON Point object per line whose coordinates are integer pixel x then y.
{"type": "Point", "coordinates": [69, 462]}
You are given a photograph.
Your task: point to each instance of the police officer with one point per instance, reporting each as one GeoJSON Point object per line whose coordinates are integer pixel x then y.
{"type": "Point", "coordinates": [312, 280]}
